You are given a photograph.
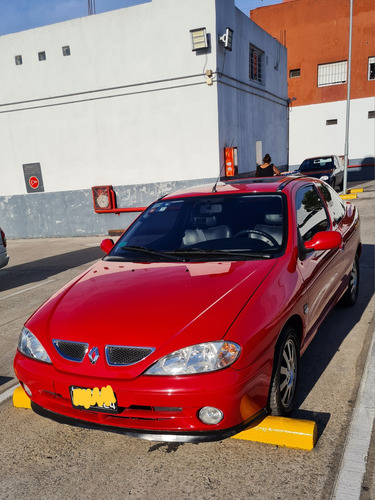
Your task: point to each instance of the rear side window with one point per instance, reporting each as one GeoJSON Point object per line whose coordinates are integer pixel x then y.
{"type": "Point", "coordinates": [311, 214]}
{"type": "Point", "coordinates": [335, 204]}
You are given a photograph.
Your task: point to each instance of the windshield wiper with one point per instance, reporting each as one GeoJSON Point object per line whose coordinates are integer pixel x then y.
{"type": "Point", "coordinates": [148, 251]}
{"type": "Point", "coordinates": [228, 253]}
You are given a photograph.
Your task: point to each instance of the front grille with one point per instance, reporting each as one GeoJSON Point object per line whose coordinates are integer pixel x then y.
{"type": "Point", "coordinates": [73, 351]}
{"type": "Point", "coordinates": [124, 355]}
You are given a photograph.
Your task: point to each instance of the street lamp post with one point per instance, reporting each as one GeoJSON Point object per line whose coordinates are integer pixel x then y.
{"type": "Point", "coordinates": [346, 150]}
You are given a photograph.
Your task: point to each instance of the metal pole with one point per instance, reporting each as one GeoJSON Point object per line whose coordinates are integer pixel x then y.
{"type": "Point", "coordinates": [346, 151]}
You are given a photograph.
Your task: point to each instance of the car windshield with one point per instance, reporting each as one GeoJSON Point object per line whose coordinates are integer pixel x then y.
{"type": "Point", "coordinates": [311, 164]}
{"type": "Point", "coordinates": [232, 227]}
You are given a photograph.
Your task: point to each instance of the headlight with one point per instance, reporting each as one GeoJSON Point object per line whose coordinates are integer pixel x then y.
{"type": "Point", "coordinates": [200, 358]}
{"type": "Point", "coordinates": [324, 178]}
{"type": "Point", "coordinates": [30, 346]}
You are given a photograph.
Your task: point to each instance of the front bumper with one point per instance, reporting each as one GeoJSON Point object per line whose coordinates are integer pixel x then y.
{"type": "Point", "coordinates": [150, 435]}
{"type": "Point", "coordinates": [158, 408]}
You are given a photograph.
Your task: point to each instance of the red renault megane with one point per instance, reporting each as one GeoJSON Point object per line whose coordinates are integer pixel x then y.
{"type": "Point", "coordinates": [193, 323]}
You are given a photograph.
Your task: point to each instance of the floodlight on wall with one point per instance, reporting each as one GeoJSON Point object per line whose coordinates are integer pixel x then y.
{"type": "Point", "coordinates": [227, 39]}
{"type": "Point", "coordinates": [199, 39]}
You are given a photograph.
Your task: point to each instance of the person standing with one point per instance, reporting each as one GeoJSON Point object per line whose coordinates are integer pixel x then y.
{"type": "Point", "coordinates": [267, 169]}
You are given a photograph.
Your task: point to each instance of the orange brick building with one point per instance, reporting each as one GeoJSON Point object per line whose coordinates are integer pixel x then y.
{"type": "Point", "coordinates": [316, 34]}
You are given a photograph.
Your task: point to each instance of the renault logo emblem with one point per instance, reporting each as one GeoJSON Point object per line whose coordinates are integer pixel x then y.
{"type": "Point", "coordinates": [94, 355]}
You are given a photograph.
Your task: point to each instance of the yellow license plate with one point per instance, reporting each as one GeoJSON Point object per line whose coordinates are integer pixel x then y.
{"type": "Point", "coordinates": [96, 399]}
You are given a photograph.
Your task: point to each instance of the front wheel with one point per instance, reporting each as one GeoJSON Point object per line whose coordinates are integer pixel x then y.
{"type": "Point", "coordinates": [285, 375]}
{"type": "Point", "coordinates": [350, 296]}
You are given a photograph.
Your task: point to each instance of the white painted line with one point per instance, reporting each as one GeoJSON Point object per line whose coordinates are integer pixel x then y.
{"type": "Point", "coordinates": [7, 394]}
{"type": "Point", "coordinates": [27, 289]}
{"type": "Point", "coordinates": [353, 465]}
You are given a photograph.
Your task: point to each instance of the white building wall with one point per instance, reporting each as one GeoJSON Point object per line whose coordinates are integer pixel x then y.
{"type": "Point", "coordinates": [129, 107]}
{"type": "Point", "coordinates": [126, 135]}
{"type": "Point", "coordinates": [310, 136]}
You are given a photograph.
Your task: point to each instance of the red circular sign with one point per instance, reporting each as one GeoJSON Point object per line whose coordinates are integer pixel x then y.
{"type": "Point", "coordinates": [34, 182]}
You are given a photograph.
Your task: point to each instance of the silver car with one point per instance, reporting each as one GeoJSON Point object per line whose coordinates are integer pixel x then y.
{"type": "Point", "coordinates": [4, 258]}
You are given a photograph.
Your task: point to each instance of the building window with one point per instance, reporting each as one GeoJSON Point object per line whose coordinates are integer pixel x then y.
{"type": "Point", "coordinates": [294, 73]}
{"type": "Point", "coordinates": [331, 122]}
{"type": "Point", "coordinates": [371, 68]}
{"type": "Point", "coordinates": [42, 56]}
{"type": "Point", "coordinates": [256, 62]}
{"type": "Point", "coordinates": [18, 60]}
{"type": "Point", "coordinates": [332, 73]}
{"type": "Point", "coordinates": [371, 114]}
{"type": "Point", "coordinates": [66, 50]}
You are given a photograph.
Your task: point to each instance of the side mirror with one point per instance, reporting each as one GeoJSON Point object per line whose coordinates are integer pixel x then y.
{"type": "Point", "coordinates": [325, 240]}
{"type": "Point", "coordinates": [107, 245]}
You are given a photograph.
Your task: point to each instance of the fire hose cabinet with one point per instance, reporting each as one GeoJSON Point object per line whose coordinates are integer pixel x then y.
{"type": "Point", "coordinates": [103, 198]}
{"type": "Point", "coordinates": [231, 161]}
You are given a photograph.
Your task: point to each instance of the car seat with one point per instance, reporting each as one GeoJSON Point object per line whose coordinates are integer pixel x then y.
{"type": "Point", "coordinates": [273, 225]}
{"type": "Point", "coordinates": [205, 229]}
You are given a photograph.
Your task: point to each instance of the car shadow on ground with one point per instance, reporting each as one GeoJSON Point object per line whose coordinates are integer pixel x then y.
{"type": "Point", "coordinates": [327, 341]}
{"type": "Point", "coordinates": [42, 269]}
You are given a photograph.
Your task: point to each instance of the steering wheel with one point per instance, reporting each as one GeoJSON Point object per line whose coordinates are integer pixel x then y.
{"type": "Point", "coordinates": [260, 235]}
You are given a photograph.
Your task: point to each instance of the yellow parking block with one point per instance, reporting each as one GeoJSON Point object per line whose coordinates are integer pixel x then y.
{"type": "Point", "coordinates": [20, 398]}
{"type": "Point", "coordinates": [281, 431]}
{"type": "Point", "coordinates": [356, 190]}
{"type": "Point", "coordinates": [348, 196]}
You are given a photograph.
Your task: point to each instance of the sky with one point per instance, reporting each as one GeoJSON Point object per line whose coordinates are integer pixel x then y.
{"type": "Point", "coordinates": [20, 15]}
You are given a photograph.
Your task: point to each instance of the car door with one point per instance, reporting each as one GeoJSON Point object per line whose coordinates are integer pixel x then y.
{"type": "Point", "coordinates": [344, 217]}
{"type": "Point", "coordinates": [320, 270]}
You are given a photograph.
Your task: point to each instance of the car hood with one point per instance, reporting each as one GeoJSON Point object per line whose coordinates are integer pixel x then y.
{"type": "Point", "coordinates": [318, 173]}
{"type": "Point", "coordinates": [165, 306]}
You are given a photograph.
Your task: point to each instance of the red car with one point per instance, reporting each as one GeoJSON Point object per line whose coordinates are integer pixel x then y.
{"type": "Point", "coordinates": [193, 324]}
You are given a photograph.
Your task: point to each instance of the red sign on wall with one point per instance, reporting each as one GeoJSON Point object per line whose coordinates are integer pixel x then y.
{"type": "Point", "coordinates": [34, 182]}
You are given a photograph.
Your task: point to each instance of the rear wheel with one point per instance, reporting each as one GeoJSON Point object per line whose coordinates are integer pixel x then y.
{"type": "Point", "coordinates": [351, 294]}
{"type": "Point", "coordinates": [285, 374]}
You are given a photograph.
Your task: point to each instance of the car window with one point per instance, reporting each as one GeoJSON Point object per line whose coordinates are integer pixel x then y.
{"type": "Point", "coordinates": [335, 204]}
{"type": "Point", "coordinates": [228, 223]}
{"type": "Point", "coordinates": [312, 164]}
{"type": "Point", "coordinates": [311, 215]}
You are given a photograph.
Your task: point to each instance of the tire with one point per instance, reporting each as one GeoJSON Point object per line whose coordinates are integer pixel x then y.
{"type": "Point", "coordinates": [285, 374]}
{"type": "Point", "coordinates": [350, 296]}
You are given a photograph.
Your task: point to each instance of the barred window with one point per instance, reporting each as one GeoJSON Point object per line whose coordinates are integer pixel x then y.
{"type": "Point", "coordinates": [371, 68]}
{"type": "Point", "coordinates": [256, 63]}
{"type": "Point", "coordinates": [332, 73]}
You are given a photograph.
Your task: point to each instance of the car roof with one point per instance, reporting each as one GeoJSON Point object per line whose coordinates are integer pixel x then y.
{"type": "Point", "coordinates": [245, 185]}
{"type": "Point", "coordinates": [321, 157]}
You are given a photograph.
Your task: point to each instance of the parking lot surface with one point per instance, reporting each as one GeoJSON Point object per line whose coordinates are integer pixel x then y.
{"type": "Point", "coordinates": [44, 459]}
